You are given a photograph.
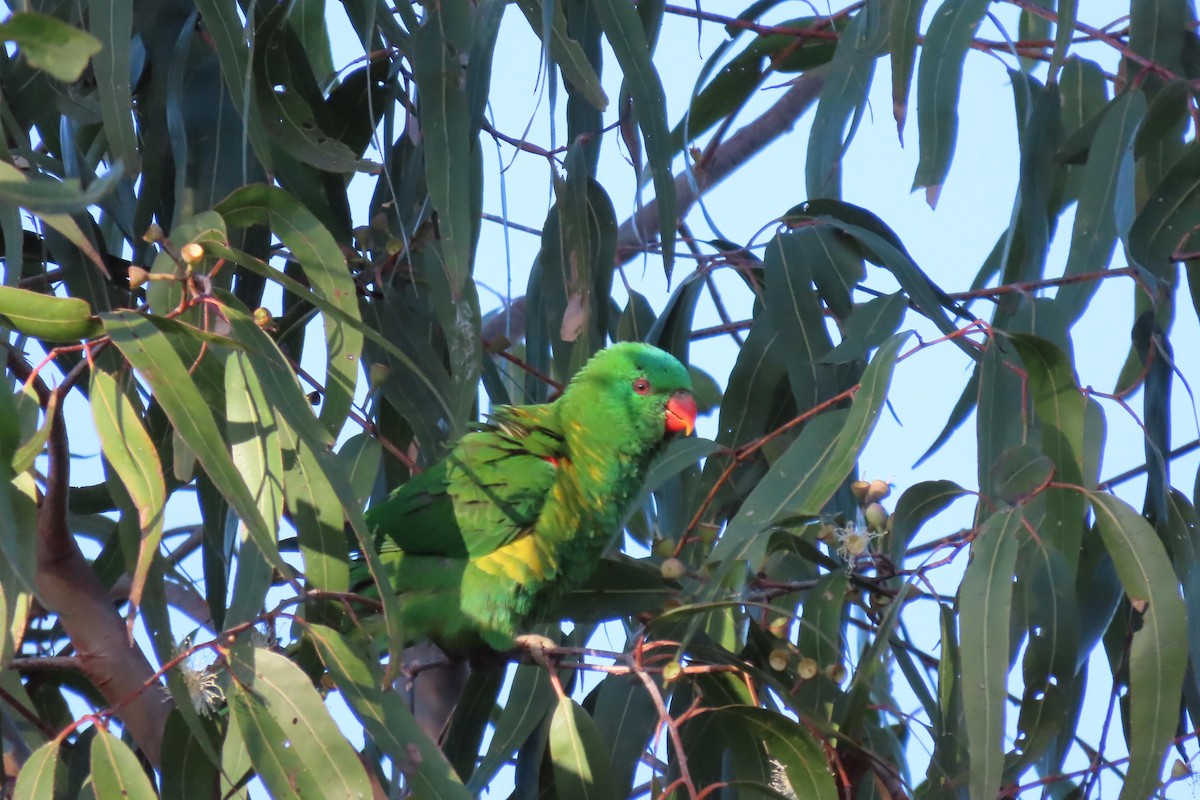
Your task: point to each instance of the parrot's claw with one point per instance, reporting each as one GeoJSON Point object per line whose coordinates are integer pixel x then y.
{"type": "Point", "coordinates": [536, 646]}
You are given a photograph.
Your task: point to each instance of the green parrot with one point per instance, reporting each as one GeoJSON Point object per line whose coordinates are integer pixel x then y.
{"type": "Point", "coordinates": [519, 513]}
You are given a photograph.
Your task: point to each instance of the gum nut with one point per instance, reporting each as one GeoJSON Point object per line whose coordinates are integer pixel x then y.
{"type": "Point", "coordinates": [860, 489]}
{"type": "Point", "coordinates": [671, 671]}
{"type": "Point", "coordinates": [664, 548]}
{"type": "Point", "coordinates": [807, 669]}
{"type": "Point", "coordinates": [191, 253]}
{"type": "Point", "coordinates": [876, 516]}
{"type": "Point", "coordinates": [779, 659]}
{"type": "Point", "coordinates": [878, 490]}
{"type": "Point", "coordinates": [673, 569]}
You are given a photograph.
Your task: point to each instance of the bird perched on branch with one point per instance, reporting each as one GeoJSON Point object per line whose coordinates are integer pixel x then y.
{"type": "Point", "coordinates": [519, 513]}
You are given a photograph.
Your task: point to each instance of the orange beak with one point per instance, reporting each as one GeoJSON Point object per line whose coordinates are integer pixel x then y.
{"type": "Point", "coordinates": [681, 413]}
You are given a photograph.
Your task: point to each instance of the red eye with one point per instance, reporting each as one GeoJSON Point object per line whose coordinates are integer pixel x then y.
{"type": "Point", "coordinates": [641, 386]}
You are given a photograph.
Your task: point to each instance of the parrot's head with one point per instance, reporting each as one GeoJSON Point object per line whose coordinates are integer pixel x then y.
{"type": "Point", "coordinates": [635, 385]}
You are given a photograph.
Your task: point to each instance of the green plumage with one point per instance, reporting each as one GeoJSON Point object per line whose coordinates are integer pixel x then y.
{"type": "Point", "coordinates": [520, 511]}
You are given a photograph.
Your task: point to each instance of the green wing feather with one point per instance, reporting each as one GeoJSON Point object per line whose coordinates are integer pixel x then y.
{"type": "Point", "coordinates": [486, 493]}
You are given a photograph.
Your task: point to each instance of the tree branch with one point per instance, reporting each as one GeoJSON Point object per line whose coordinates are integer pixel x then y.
{"type": "Point", "coordinates": [67, 586]}
{"type": "Point", "coordinates": [749, 141]}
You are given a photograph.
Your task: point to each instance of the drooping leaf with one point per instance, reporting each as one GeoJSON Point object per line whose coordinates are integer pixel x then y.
{"type": "Point", "coordinates": [869, 326]}
{"type": "Point", "coordinates": [985, 601]}
{"type": "Point", "coordinates": [253, 432]}
{"type": "Point", "coordinates": [904, 18]}
{"type": "Point", "coordinates": [580, 758]}
{"type": "Point", "coordinates": [148, 348]}
{"type": "Point", "coordinates": [628, 40]}
{"type": "Point", "coordinates": [325, 267]}
{"type": "Point", "coordinates": [1158, 653]}
{"type": "Point", "coordinates": [116, 771]}
{"type": "Point", "coordinates": [42, 775]}
{"type": "Point", "coordinates": [131, 452]}
{"type": "Point", "coordinates": [806, 476]}
{"type": "Point", "coordinates": [445, 127]}
{"type": "Point", "coordinates": [112, 22]}
{"type": "Point", "coordinates": [626, 718]}
{"type": "Point", "coordinates": [1105, 197]}
{"type": "Point", "coordinates": [567, 54]}
{"type": "Point", "coordinates": [529, 701]}
{"type": "Point", "coordinates": [939, 83]}
{"type": "Point", "coordinates": [387, 718]}
{"type": "Point", "coordinates": [285, 724]}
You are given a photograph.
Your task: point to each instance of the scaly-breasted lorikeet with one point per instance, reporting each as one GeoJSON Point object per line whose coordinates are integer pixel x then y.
{"type": "Point", "coordinates": [519, 513]}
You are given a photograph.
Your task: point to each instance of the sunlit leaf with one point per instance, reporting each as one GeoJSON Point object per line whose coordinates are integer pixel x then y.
{"type": "Point", "coordinates": [130, 451]}
{"type": "Point", "coordinates": [292, 727]}
{"type": "Point", "coordinates": [580, 758]}
{"type": "Point", "coordinates": [42, 775]}
{"type": "Point", "coordinates": [50, 44]}
{"type": "Point", "coordinates": [386, 716]}
{"type": "Point", "coordinates": [116, 771]}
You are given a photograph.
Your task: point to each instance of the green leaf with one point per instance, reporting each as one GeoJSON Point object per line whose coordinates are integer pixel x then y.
{"type": "Point", "coordinates": [1158, 654]}
{"type": "Point", "coordinates": [223, 24]}
{"type": "Point", "coordinates": [985, 602]}
{"type": "Point", "coordinates": [582, 766]}
{"type": "Point", "coordinates": [868, 327]}
{"type": "Point", "coordinates": [50, 44]}
{"type": "Point", "coordinates": [46, 317]}
{"type": "Point", "coordinates": [315, 505]}
{"type": "Point", "coordinates": [276, 696]}
{"type": "Point", "coordinates": [359, 456]}
{"type": "Point", "coordinates": [820, 636]}
{"type": "Point", "coordinates": [843, 100]}
{"type": "Point", "coordinates": [149, 350]}
{"type": "Point", "coordinates": [1168, 216]}
{"type": "Point", "coordinates": [939, 82]}
{"type": "Point", "coordinates": [625, 718]}
{"type": "Point", "coordinates": [529, 700]}
{"type": "Point", "coordinates": [259, 267]}
{"type": "Point", "coordinates": [1062, 411]}
{"type": "Point", "coordinates": [18, 527]}
{"type": "Point", "coordinates": [803, 480]}
{"type": "Point", "coordinates": [1019, 473]}
{"type": "Point", "coordinates": [50, 198]}
{"type": "Point", "coordinates": [919, 503]}
{"type": "Point", "coordinates": [42, 775]}
{"type": "Point", "coordinates": [1064, 30]}
{"type": "Point", "coordinates": [904, 21]}
{"type": "Point", "coordinates": [678, 455]}
{"type": "Point", "coordinates": [325, 267]}
{"type": "Point", "coordinates": [566, 52]}
{"type": "Point", "coordinates": [112, 22]}
{"type": "Point", "coordinates": [1107, 175]}
{"type": "Point", "coordinates": [131, 452]}
{"type": "Point", "coordinates": [290, 101]}
{"type": "Point", "coordinates": [445, 131]}
{"type": "Point", "coordinates": [386, 717]}
{"type": "Point", "coordinates": [253, 433]}
{"type": "Point", "coordinates": [624, 31]}
{"type": "Point", "coordinates": [187, 772]}
{"type": "Point", "coordinates": [881, 246]}
{"type": "Point", "coordinates": [1156, 30]}
{"type": "Point", "coordinates": [794, 308]}
{"type": "Point", "coordinates": [736, 81]}
{"type": "Point", "coordinates": [116, 771]}
{"type": "Point", "coordinates": [797, 750]}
